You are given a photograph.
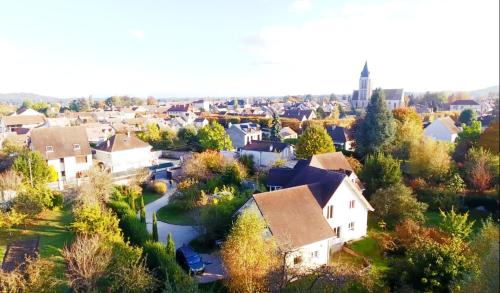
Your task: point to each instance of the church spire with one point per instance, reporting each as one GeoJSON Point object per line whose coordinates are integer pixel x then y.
{"type": "Point", "coordinates": [365, 72]}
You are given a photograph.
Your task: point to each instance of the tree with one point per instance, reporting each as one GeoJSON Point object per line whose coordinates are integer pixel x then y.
{"type": "Point", "coordinates": [275, 128]}
{"type": "Point", "coordinates": [97, 188]}
{"type": "Point", "coordinates": [143, 211]}
{"type": "Point", "coordinates": [155, 227]}
{"type": "Point", "coordinates": [408, 131]}
{"type": "Point", "coordinates": [151, 134]}
{"type": "Point", "coordinates": [397, 203]}
{"type": "Point", "coordinates": [170, 245]}
{"type": "Point", "coordinates": [456, 225]}
{"type": "Point", "coordinates": [247, 256]}
{"type": "Point", "coordinates": [376, 131]}
{"type": "Point", "coordinates": [151, 101]}
{"type": "Point", "coordinates": [33, 167]}
{"type": "Point", "coordinates": [429, 159]}
{"type": "Point", "coordinates": [315, 140]}
{"type": "Point", "coordinates": [214, 137]}
{"type": "Point", "coordinates": [188, 135]}
{"type": "Point", "coordinates": [490, 138]}
{"type": "Point", "coordinates": [482, 168]}
{"type": "Point", "coordinates": [320, 112]}
{"type": "Point", "coordinates": [131, 201]}
{"type": "Point", "coordinates": [467, 116]}
{"type": "Point", "coordinates": [93, 220]}
{"type": "Point", "coordinates": [380, 171]}
{"type": "Point", "coordinates": [470, 133]}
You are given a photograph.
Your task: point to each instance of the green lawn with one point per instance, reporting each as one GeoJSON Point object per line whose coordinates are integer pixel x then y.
{"type": "Point", "coordinates": [369, 248]}
{"type": "Point", "coordinates": [214, 287]}
{"type": "Point", "coordinates": [52, 227]}
{"type": "Point", "coordinates": [174, 215]}
{"type": "Point", "coordinates": [149, 196]}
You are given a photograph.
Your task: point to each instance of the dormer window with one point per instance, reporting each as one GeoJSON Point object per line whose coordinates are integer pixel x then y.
{"type": "Point", "coordinates": [49, 149]}
{"type": "Point", "coordinates": [76, 147]}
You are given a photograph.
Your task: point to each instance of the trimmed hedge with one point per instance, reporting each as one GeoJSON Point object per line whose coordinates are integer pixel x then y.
{"type": "Point", "coordinates": [166, 268]}
{"type": "Point", "coordinates": [133, 229]}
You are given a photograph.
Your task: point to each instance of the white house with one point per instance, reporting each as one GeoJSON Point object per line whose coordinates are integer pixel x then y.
{"type": "Point", "coordinates": [243, 133]}
{"type": "Point", "coordinates": [460, 105]}
{"type": "Point", "coordinates": [316, 211]}
{"type": "Point", "coordinates": [200, 122]}
{"type": "Point", "coordinates": [201, 105]}
{"type": "Point", "coordinates": [266, 153]}
{"type": "Point", "coordinates": [123, 152]}
{"type": "Point", "coordinates": [65, 148]}
{"type": "Point", "coordinates": [26, 112]}
{"type": "Point", "coordinates": [442, 129]}
{"type": "Point", "coordinates": [287, 132]}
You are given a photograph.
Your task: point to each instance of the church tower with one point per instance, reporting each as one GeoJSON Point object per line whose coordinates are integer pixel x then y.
{"type": "Point", "coordinates": [365, 86]}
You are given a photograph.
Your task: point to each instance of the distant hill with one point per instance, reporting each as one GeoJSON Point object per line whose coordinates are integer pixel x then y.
{"type": "Point", "coordinates": [484, 92]}
{"type": "Point", "coordinates": [18, 98]}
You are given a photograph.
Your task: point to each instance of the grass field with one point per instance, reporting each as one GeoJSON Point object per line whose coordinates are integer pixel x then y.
{"type": "Point", "coordinates": [174, 215]}
{"type": "Point", "coordinates": [369, 248]}
{"type": "Point", "coordinates": [53, 229]}
{"type": "Point", "coordinates": [149, 196]}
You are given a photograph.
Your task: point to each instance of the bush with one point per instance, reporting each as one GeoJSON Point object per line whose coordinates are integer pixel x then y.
{"type": "Point", "coordinates": [94, 220]}
{"type": "Point", "coordinates": [28, 205]}
{"type": "Point", "coordinates": [160, 187]}
{"type": "Point", "coordinates": [121, 208]}
{"type": "Point", "coordinates": [437, 198]}
{"type": "Point", "coordinates": [247, 161]}
{"type": "Point", "coordinates": [166, 268]}
{"type": "Point", "coordinates": [57, 200]}
{"type": "Point", "coordinates": [133, 230]}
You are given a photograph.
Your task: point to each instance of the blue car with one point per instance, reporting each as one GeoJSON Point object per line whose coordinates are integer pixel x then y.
{"type": "Point", "coordinates": [190, 260]}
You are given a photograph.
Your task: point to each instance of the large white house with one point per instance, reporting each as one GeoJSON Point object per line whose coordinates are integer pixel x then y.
{"type": "Point", "coordinates": [244, 133]}
{"type": "Point", "coordinates": [65, 148]}
{"type": "Point", "coordinates": [460, 105]}
{"type": "Point", "coordinates": [123, 152]}
{"type": "Point", "coordinates": [443, 129]}
{"type": "Point", "coordinates": [313, 209]}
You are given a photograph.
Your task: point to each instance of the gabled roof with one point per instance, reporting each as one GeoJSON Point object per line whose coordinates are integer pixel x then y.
{"type": "Point", "coordinates": [393, 94]}
{"type": "Point", "coordinates": [62, 140]}
{"type": "Point", "coordinates": [339, 134]}
{"type": "Point", "coordinates": [286, 131]}
{"type": "Point", "coordinates": [121, 142]}
{"type": "Point", "coordinates": [179, 108]}
{"type": "Point", "coordinates": [449, 124]}
{"type": "Point", "coordinates": [464, 103]}
{"type": "Point", "coordinates": [294, 216]}
{"type": "Point", "coordinates": [265, 146]}
{"type": "Point", "coordinates": [296, 114]}
{"type": "Point", "coordinates": [23, 120]}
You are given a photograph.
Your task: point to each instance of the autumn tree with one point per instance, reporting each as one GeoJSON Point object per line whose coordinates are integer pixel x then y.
{"type": "Point", "coordinates": [247, 256]}
{"type": "Point", "coordinates": [396, 203]}
{"type": "Point", "coordinates": [214, 137]}
{"type": "Point", "coordinates": [33, 168]}
{"type": "Point", "coordinates": [482, 168]}
{"type": "Point", "coordinates": [490, 138]}
{"type": "Point", "coordinates": [429, 159]}
{"type": "Point", "coordinates": [376, 131]}
{"type": "Point", "coordinates": [315, 140]}
{"type": "Point", "coordinates": [151, 101]}
{"type": "Point", "coordinates": [380, 171]}
{"type": "Point", "coordinates": [408, 131]}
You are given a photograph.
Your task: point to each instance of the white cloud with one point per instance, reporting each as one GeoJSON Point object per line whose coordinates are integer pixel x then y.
{"type": "Point", "coordinates": [301, 5]}
{"type": "Point", "coordinates": [137, 33]}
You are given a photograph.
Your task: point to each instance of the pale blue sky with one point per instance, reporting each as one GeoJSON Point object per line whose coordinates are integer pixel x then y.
{"type": "Point", "coordinates": [259, 47]}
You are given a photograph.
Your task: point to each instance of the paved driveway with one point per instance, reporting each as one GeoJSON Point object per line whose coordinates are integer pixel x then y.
{"type": "Point", "coordinates": [180, 234]}
{"type": "Point", "coordinates": [183, 235]}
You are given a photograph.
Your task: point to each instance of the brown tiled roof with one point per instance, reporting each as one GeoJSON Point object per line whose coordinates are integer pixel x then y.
{"type": "Point", "coordinates": [179, 108]}
{"type": "Point", "coordinates": [465, 103]}
{"type": "Point", "coordinates": [294, 216]}
{"type": "Point", "coordinates": [23, 119]}
{"type": "Point", "coordinates": [62, 140]}
{"type": "Point", "coordinates": [330, 161]}
{"type": "Point", "coordinates": [121, 142]}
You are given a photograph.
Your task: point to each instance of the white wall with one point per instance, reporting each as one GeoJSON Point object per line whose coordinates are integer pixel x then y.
{"type": "Point", "coordinates": [343, 215]}
{"type": "Point", "coordinates": [70, 167]}
{"type": "Point", "coordinates": [267, 159]}
{"type": "Point", "coordinates": [126, 160]}
{"type": "Point", "coordinates": [312, 255]}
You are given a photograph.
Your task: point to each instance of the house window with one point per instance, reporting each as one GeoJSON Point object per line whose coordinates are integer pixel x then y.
{"type": "Point", "coordinates": [297, 260]}
{"type": "Point", "coordinates": [351, 226]}
{"type": "Point", "coordinates": [49, 149]}
{"type": "Point", "coordinates": [63, 174]}
{"type": "Point", "coordinates": [76, 147]}
{"type": "Point", "coordinates": [61, 160]}
{"type": "Point", "coordinates": [329, 212]}
{"type": "Point", "coordinates": [351, 204]}
{"type": "Point", "coordinates": [314, 254]}
{"type": "Point", "coordinates": [336, 232]}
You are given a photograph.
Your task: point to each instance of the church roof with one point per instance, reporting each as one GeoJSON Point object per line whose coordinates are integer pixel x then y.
{"type": "Point", "coordinates": [365, 72]}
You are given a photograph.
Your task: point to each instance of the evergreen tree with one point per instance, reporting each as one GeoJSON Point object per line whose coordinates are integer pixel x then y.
{"type": "Point", "coordinates": [380, 171]}
{"type": "Point", "coordinates": [376, 131]}
{"type": "Point", "coordinates": [170, 245]}
{"type": "Point", "coordinates": [275, 128]}
{"type": "Point", "coordinates": [155, 227]}
{"type": "Point", "coordinates": [467, 116]}
{"type": "Point", "coordinates": [315, 140]}
{"type": "Point", "coordinates": [131, 202]}
{"type": "Point", "coordinates": [143, 211]}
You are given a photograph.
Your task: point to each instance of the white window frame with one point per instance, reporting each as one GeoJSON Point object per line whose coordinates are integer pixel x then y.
{"type": "Point", "coordinates": [352, 204]}
{"type": "Point", "coordinates": [329, 212]}
{"type": "Point", "coordinates": [351, 226]}
{"type": "Point", "coordinates": [49, 149]}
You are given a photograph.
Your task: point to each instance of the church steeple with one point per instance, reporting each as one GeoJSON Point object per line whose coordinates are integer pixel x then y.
{"type": "Point", "coordinates": [365, 72]}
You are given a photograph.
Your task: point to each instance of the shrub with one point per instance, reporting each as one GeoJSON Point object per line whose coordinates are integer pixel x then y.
{"type": "Point", "coordinates": [37, 277]}
{"type": "Point", "coordinates": [57, 200]}
{"type": "Point", "coordinates": [160, 187]}
{"type": "Point", "coordinates": [437, 198]}
{"type": "Point", "coordinates": [121, 208]}
{"type": "Point", "coordinates": [233, 174]}
{"type": "Point", "coordinates": [133, 230]}
{"type": "Point", "coordinates": [28, 204]}
{"type": "Point", "coordinates": [94, 220]}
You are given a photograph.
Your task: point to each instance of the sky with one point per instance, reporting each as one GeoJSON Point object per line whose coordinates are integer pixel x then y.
{"type": "Point", "coordinates": [199, 48]}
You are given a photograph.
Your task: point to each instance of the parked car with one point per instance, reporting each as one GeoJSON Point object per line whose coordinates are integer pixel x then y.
{"type": "Point", "coordinates": [190, 260]}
